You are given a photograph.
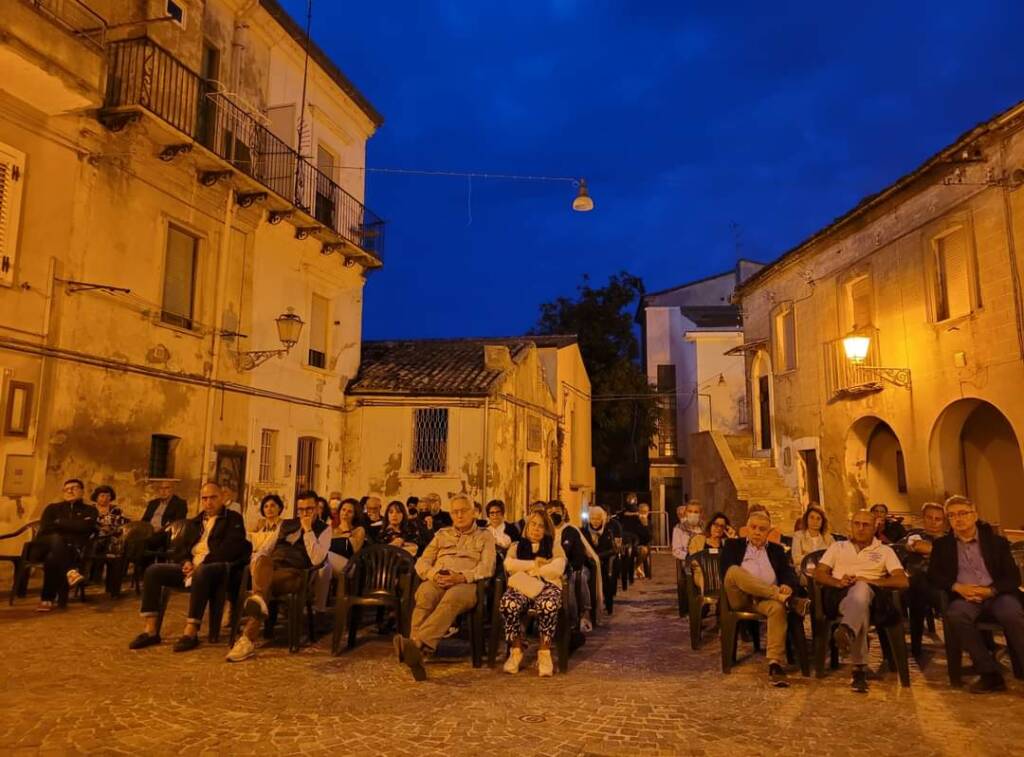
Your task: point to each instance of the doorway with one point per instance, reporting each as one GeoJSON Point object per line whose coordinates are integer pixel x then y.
{"type": "Point", "coordinates": [532, 483]}
{"type": "Point", "coordinates": [809, 467]}
{"type": "Point", "coordinates": [307, 465]}
{"type": "Point", "coordinates": [231, 472]}
{"type": "Point", "coordinates": [206, 127]}
{"type": "Point", "coordinates": [764, 411]}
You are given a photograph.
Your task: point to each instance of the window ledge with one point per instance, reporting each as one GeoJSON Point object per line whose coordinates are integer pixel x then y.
{"type": "Point", "coordinates": [178, 329]}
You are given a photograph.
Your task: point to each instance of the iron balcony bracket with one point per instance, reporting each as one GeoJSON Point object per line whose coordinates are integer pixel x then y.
{"type": "Point", "coordinates": [170, 152]}
{"type": "Point", "coordinates": [209, 178]}
{"type": "Point", "coordinates": [248, 199]}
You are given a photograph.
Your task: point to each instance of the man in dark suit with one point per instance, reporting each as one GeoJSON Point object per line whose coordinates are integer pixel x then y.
{"type": "Point", "coordinates": [64, 531]}
{"type": "Point", "coordinates": [200, 554]}
{"type": "Point", "coordinates": [166, 508]}
{"type": "Point", "coordinates": [757, 573]}
{"type": "Point", "coordinates": [975, 566]}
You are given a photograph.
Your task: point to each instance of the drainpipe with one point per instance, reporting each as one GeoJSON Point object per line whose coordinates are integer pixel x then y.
{"type": "Point", "coordinates": [218, 325]}
{"type": "Point", "coordinates": [1011, 247]}
{"type": "Point", "coordinates": [483, 485]}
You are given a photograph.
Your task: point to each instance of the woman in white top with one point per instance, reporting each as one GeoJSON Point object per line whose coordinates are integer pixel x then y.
{"type": "Point", "coordinates": [271, 507]}
{"type": "Point", "coordinates": [813, 536]}
{"type": "Point", "coordinates": [533, 584]}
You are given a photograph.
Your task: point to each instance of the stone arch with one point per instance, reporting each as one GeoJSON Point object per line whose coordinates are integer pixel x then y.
{"type": "Point", "coordinates": [974, 450]}
{"type": "Point", "coordinates": [875, 467]}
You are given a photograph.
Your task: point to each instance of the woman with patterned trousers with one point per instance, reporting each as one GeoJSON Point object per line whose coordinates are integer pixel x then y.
{"type": "Point", "coordinates": [533, 584]}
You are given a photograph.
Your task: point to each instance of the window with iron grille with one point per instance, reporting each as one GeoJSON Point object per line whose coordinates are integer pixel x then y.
{"type": "Point", "coordinates": [161, 455]}
{"type": "Point", "coordinates": [533, 433]}
{"type": "Point", "coordinates": [429, 440]}
{"type": "Point", "coordinates": [268, 451]}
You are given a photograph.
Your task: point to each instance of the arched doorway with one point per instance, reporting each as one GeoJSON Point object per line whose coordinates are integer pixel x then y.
{"type": "Point", "coordinates": [875, 468]}
{"type": "Point", "coordinates": [974, 451]}
{"type": "Point", "coordinates": [761, 400]}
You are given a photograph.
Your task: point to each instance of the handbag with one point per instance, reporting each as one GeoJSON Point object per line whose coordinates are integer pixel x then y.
{"type": "Point", "coordinates": [525, 584]}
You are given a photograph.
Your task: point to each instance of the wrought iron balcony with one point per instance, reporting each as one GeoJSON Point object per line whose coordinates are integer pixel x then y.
{"type": "Point", "coordinates": [77, 17]}
{"type": "Point", "coordinates": [846, 378]}
{"type": "Point", "coordinates": [144, 75]}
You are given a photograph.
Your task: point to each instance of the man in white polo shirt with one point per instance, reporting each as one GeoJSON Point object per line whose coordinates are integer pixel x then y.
{"type": "Point", "coordinates": [856, 567]}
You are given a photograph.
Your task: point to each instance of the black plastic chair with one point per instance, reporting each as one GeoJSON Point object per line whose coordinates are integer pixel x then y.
{"type": "Point", "coordinates": [628, 559]}
{"type": "Point", "coordinates": [31, 529]}
{"type": "Point", "coordinates": [567, 624]}
{"type": "Point", "coordinates": [700, 599]}
{"type": "Point", "coordinates": [954, 650]}
{"type": "Point", "coordinates": [27, 562]}
{"type": "Point", "coordinates": [682, 589]}
{"type": "Point", "coordinates": [215, 611]}
{"type": "Point", "coordinates": [295, 604]}
{"type": "Point", "coordinates": [891, 636]}
{"type": "Point", "coordinates": [378, 576]}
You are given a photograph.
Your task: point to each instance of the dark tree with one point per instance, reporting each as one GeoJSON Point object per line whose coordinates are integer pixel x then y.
{"type": "Point", "coordinates": [624, 411]}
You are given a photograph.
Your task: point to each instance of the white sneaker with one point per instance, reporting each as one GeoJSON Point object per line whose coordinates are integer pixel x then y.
{"type": "Point", "coordinates": [515, 659]}
{"type": "Point", "coordinates": [255, 607]}
{"type": "Point", "coordinates": [585, 625]}
{"type": "Point", "coordinates": [242, 650]}
{"type": "Point", "coordinates": [545, 667]}
{"type": "Point", "coordinates": [74, 578]}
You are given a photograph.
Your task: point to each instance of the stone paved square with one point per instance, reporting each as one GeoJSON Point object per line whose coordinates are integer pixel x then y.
{"type": "Point", "coordinates": [70, 685]}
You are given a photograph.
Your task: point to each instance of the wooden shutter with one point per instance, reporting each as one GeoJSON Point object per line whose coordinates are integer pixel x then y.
{"type": "Point", "coordinates": [860, 303]}
{"type": "Point", "coordinates": [12, 179]}
{"type": "Point", "coordinates": [953, 273]}
{"type": "Point", "coordinates": [785, 339]}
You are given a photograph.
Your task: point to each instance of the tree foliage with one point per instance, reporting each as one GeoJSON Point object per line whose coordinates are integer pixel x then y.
{"type": "Point", "coordinates": [624, 412]}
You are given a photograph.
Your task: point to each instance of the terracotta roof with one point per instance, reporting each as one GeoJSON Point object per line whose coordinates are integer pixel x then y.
{"type": "Point", "coordinates": [431, 367]}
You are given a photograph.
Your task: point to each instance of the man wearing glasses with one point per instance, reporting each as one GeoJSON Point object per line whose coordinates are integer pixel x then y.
{"type": "Point", "coordinates": [280, 565]}
{"type": "Point", "coordinates": [65, 529]}
{"type": "Point", "coordinates": [974, 564]}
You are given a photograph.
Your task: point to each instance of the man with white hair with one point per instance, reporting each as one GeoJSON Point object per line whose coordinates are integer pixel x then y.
{"type": "Point", "coordinates": [601, 532]}
{"type": "Point", "coordinates": [757, 574]}
{"type": "Point", "coordinates": [857, 568]}
{"type": "Point", "coordinates": [455, 559]}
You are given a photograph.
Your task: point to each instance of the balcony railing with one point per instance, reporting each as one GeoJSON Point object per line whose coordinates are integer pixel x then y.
{"type": "Point", "coordinates": [844, 377]}
{"type": "Point", "coordinates": [143, 74]}
{"type": "Point", "coordinates": [77, 17]}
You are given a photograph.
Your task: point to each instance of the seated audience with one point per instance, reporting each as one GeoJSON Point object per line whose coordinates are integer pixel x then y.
{"type": "Point", "coordinates": [534, 507]}
{"type": "Point", "coordinates": [65, 529]}
{"type": "Point", "coordinates": [570, 544]}
{"type": "Point", "coordinates": [374, 518]}
{"type": "Point", "coordinates": [347, 538]}
{"type": "Point", "coordinates": [600, 534]}
{"type": "Point", "coordinates": [110, 523]}
{"type": "Point", "coordinates": [774, 536]}
{"type": "Point", "coordinates": [399, 531]}
{"type": "Point", "coordinates": [457, 557]}
{"type": "Point", "coordinates": [279, 567]}
{"type": "Point", "coordinates": [854, 570]}
{"type": "Point", "coordinates": [644, 513]}
{"type": "Point", "coordinates": [534, 583]}
{"type": "Point", "coordinates": [975, 566]}
{"type": "Point", "coordinates": [757, 573]}
{"type": "Point", "coordinates": [478, 513]}
{"type": "Point", "coordinates": [162, 511]}
{"type": "Point", "coordinates": [504, 533]}
{"type": "Point", "coordinates": [686, 528]}
{"type": "Point", "coordinates": [271, 508]}
{"type": "Point", "coordinates": [199, 555]}
{"type": "Point", "coordinates": [888, 529]}
{"type": "Point", "coordinates": [631, 524]}
{"type": "Point", "coordinates": [718, 530]}
{"type": "Point", "coordinates": [922, 596]}
{"type": "Point", "coordinates": [435, 517]}
{"type": "Point", "coordinates": [933, 518]}
{"type": "Point", "coordinates": [812, 536]}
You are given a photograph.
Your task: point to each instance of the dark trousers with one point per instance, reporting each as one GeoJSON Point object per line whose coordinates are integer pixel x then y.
{"type": "Point", "coordinates": [58, 557]}
{"type": "Point", "coordinates": [920, 598]}
{"type": "Point", "coordinates": [207, 580]}
{"type": "Point", "coordinates": [962, 617]}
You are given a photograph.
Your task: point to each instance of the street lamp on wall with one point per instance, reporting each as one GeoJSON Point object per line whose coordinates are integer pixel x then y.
{"type": "Point", "coordinates": [289, 328]}
{"type": "Point", "coordinates": [856, 348]}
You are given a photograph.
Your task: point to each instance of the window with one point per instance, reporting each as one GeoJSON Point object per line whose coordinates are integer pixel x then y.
{"type": "Point", "coordinates": [19, 409]}
{"type": "Point", "coordinates": [176, 12]}
{"type": "Point", "coordinates": [858, 293]}
{"type": "Point", "coordinates": [668, 430]}
{"type": "Point", "coordinates": [533, 433]}
{"type": "Point", "coordinates": [952, 264]}
{"type": "Point", "coordinates": [268, 451]}
{"type": "Point", "coordinates": [785, 339]}
{"type": "Point", "coordinates": [318, 332]}
{"type": "Point", "coordinates": [12, 166]}
{"type": "Point", "coordinates": [326, 162]}
{"type": "Point", "coordinates": [161, 455]}
{"type": "Point", "coordinates": [307, 464]}
{"type": "Point", "coordinates": [429, 440]}
{"type": "Point", "coordinates": [180, 278]}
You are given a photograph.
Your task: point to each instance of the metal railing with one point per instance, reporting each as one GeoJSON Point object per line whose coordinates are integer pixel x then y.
{"type": "Point", "coordinates": [844, 377]}
{"type": "Point", "coordinates": [142, 73]}
{"type": "Point", "coordinates": [77, 17]}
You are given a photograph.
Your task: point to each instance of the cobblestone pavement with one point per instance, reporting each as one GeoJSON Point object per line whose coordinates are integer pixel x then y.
{"type": "Point", "coordinates": [69, 685]}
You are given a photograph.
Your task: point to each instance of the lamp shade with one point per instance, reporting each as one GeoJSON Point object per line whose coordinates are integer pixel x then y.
{"type": "Point", "coordinates": [856, 348]}
{"type": "Point", "coordinates": [583, 203]}
{"type": "Point", "coordinates": [289, 327]}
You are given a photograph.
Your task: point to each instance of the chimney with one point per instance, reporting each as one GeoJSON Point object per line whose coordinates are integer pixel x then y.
{"type": "Point", "coordinates": [497, 357]}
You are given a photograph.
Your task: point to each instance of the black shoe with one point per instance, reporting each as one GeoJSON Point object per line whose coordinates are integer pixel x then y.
{"type": "Point", "coordinates": [144, 640]}
{"type": "Point", "coordinates": [399, 643]}
{"type": "Point", "coordinates": [843, 637]}
{"type": "Point", "coordinates": [186, 643]}
{"type": "Point", "coordinates": [988, 683]}
{"type": "Point", "coordinates": [777, 676]}
{"type": "Point", "coordinates": [859, 681]}
{"type": "Point", "coordinates": [414, 659]}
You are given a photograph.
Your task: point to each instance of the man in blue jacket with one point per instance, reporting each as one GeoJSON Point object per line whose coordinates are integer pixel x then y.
{"type": "Point", "coordinates": [757, 574]}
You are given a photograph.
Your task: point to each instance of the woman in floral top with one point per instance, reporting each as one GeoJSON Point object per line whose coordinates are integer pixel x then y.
{"type": "Point", "coordinates": [109, 538]}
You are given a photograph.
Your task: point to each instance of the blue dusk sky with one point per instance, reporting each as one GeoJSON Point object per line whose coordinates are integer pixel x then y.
{"type": "Point", "coordinates": [705, 130]}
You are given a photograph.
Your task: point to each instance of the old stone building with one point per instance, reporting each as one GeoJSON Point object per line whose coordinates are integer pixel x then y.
{"type": "Point", "coordinates": [505, 418]}
{"type": "Point", "coordinates": [885, 354]}
{"type": "Point", "coordinates": [172, 204]}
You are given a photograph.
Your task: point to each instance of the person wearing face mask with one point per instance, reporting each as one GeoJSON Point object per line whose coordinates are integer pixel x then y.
{"type": "Point", "coordinates": [600, 533]}
{"type": "Point", "coordinates": [570, 544]}
{"type": "Point", "coordinates": [687, 528]}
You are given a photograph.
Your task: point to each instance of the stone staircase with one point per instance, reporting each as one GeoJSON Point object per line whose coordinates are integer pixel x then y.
{"type": "Point", "coordinates": [757, 481]}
